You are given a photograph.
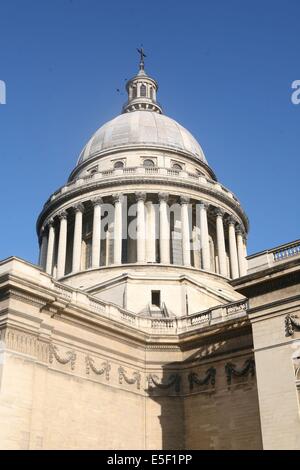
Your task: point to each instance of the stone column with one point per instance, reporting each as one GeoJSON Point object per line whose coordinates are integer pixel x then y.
{"type": "Point", "coordinates": [150, 233]}
{"type": "Point", "coordinates": [43, 249]}
{"type": "Point", "coordinates": [96, 239]}
{"type": "Point", "coordinates": [241, 251]}
{"type": "Point", "coordinates": [203, 206]}
{"type": "Point", "coordinates": [118, 229]}
{"type": "Point", "coordinates": [233, 249]}
{"type": "Point", "coordinates": [185, 231]}
{"type": "Point", "coordinates": [164, 229]}
{"type": "Point", "coordinates": [141, 227]}
{"type": "Point", "coordinates": [62, 244]}
{"type": "Point", "coordinates": [77, 241]}
{"type": "Point", "coordinates": [50, 249]}
{"type": "Point", "coordinates": [221, 242]}
{"type": "Point", "coordinates": [245, 253]}
{"type": "Point", "coordinates": [196, 247]}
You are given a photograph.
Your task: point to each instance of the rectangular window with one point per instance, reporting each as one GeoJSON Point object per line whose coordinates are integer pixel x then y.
{"type": "Point", "coordinates": [155, 297]}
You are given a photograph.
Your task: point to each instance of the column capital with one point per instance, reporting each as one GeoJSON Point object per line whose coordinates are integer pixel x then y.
{"type": "Point", "coordinates": [97, 201]}
{"type": "Point", "coordinates": [239, 230]}
{"type": "Point", "coordinates": [43, 229]}
{"type": "Point", "coordinates": [50, 222]}
{"type": "Point", "coordinates": [117, 197]}
{"type": "Point", "coordinates": [219, 212]}
{"type": "Point", "coordinates": [140, 196]}
{"type": "Point", "coordinates": [231, 220]}
{"type": "Point", "coordinates": [163, 197]}
{"type": "Point", "coordinates": [78, 207]}
{"type": "Point", "coordinates": [184, 200]}
{"type": "Point", "coordinates": [62, 215]}
{"type": "Point", "coordinates": [204, 204]}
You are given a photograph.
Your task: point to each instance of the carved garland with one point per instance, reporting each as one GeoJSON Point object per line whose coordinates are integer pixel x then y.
{"type": "Point", "coordinates": [291, 323]}
{"type": "Point", "coordinates": [136, 378]}
{"type": "Point", "coordinates": [210, 378]}
{"type": "Point", "coordinates": [173, 379]}
{"type": "Point", "coordinates": [232, 371]}
{"type": "Point", "coordinates": [90, 365]}
{"type": "Point", "coordinates": [69, 358]}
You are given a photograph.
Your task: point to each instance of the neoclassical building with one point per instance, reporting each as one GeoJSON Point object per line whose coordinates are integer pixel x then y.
{"type": "Point", "coordinates": [145, 324]}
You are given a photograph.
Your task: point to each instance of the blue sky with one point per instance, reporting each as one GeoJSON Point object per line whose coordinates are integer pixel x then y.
{"type": "Point", "coordinates": [224, 69]}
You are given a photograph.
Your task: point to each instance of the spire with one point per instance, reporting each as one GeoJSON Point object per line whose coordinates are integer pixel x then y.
{"type": "Point", "coordinates": [141, 90]}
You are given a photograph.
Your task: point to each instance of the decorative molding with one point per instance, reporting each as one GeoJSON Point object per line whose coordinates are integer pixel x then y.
{"type": "Point", "coordinates": [208, 379]}
{"type": "Point", "coordinates": [90, 365]}
{"type": "Point", "coordinates": [292, 323]}
{"type": "Point", "coordinates": [232, 371]}
{"type": "Point", "coordinates": [69, 358]}
{"type": "Point", "coordinates": [136, 378]}
{"type": "Point", "coordinates": [173, 379]}
{"type": "Point", "coordinates": [29, 299]}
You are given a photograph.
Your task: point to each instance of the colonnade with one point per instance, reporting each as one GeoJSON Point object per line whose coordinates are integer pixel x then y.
{"type": "Point", "coordinates": [227, 234]}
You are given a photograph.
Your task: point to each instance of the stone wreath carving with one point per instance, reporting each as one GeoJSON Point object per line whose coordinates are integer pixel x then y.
{"type": "Point", "coordinates": [291, 323]}
{"type": "Point", "coordinates": [70, 356]}
{"type": "Point", "coordinates": [232, 371]}
{"type": "Point", "coordinates": [208, 379]}
{"type": "Point", "coordinates": [136, 378]}
{"type": "Point", "coordinates": [173, 379]}
{"type": "Point", "coordinates": [90, 365]}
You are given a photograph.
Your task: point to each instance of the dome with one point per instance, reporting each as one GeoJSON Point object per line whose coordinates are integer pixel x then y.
{"type": "Point", "coordinates": [145, 128]}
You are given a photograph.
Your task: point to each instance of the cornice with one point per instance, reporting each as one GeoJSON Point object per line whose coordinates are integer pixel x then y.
{"type": "Point", "coordinates": [136, 180]}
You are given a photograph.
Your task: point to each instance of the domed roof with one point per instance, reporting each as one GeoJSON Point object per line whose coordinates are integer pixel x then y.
{"type": "Point", "coordinates": [145, 128]}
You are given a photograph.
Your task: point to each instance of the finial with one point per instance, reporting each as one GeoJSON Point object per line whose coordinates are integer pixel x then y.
{"type": "Point", "coordinates": [142, 56]}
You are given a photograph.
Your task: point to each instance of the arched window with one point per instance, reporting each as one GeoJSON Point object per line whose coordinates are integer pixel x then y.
{"type": "Point", "coordinates": [176, 166]}
{"type": "Point", "coordinates": [134, 92]}
{"type": "Point", "coordinates": [118, 165]}
{"type": "Point", "coordinates": [148, 162]}
{"type": "Point", "coordinates": [143, 90]}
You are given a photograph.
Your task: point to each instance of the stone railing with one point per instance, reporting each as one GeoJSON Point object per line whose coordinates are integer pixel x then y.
{"type": "Point", "coordinates": [140, 172]}
{"type": "Point", "coordinates": [268, 258]}
{"type": "Point", "coordinates": [292, 249]}
{"type": "Point", "coordinates": [170, 325]}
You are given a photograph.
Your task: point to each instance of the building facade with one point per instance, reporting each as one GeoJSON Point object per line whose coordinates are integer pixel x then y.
{"type": "Point", "coordinates": [146, 325]}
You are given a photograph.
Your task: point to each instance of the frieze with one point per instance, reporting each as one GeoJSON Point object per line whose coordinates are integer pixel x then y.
{"type": "Point", "coordinates": [208, 379]}
{"type": "Point", "coordinates": [136, 378]}
{"type": "Point", "coordinates": [232, 371]}
{"type": "Point", "coordinates": [173, 380]}
{"type": "Point", "coordinates": [90, 365]}
{"type": "Point", "coordinates": [70, 356]}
